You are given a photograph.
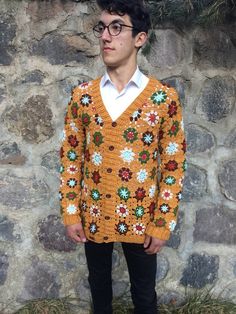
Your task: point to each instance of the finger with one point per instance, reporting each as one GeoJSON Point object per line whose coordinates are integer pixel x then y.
{"type": "Point", "coordinates": [147, 241]}
{"type": "Point", "coordinates": [81, 235]}
{"type": "Point", "coordinates": [153, 249]}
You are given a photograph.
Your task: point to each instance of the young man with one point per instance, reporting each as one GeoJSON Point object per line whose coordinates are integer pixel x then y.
{"type": "Point", "coordinates": [113, 189]}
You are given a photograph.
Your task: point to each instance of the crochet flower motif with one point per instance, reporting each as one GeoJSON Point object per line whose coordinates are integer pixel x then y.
{"type": "Point", "coordinates": [124, 193]}
{"type": "Point", "coordinates": [74, 110]}
{"type": "Point", "coordinates": [171, 165]}
{"type": "Point", "coordinates": [139, 228]}
{"type": "Point", "coordinates": [127, 155]}
{"type": "Point", "coordinates": [140, 193]}
{"type": "Point", "coordinates": [86, 120]}
{"type": "Point", "coordinates": [139, 211]}
{"type": "Point", "coordinates": [164, 208]}
{"type": "Point", "coordinates": [130, 135]}
{"type": "Point", "coordinates": [71, 183]}
{"type": "Point", "coordinates": [97, 138]}
{"type": "Point", "coordinates": [122, 227]}
{"type": "Point", "coordinates": [122, 210]}
{"type": "Point", "coordinates": [97, 158]}
{"type": "Point", "coordinates": [167, 195]}
{"type": "Point", "coordinates": [73, 127]}
{"type": "Point", "coordinates": [93, 228]}
{"type": "Point", "coordinates": [160, 222]}
{"type": "Point", "coordinates": [72, 140]}
{"type": "Point", "coordinates": [99, 120]}
{"type": "Point", "coordinates": [152, 191]}
{"type": "Point", "coordinates": [71, 209]}
{"type": "Point", "coordinates": [172, 148]}
{"type": "Point", "coordinates": [172, 225]}
{"type": "Point", "coordinates": [95, 194]}
{"type": "Point", "coordinates": [61, 169]}
{"type": "Point", "coordinates": [159, 97]}
{"type": "Point", "coordinates": [142, 175]}
{"type": "Point", "coordinates": [136, 115]}
{"type": "Point", "coordinates": [71, 155]}
{"type": "Point", "coordinates": [172, 109]}
{"type": "Point", "coordinates": [148, 138]}
{"type": "Point", "coordinates": [94, 211]}
{"type": "Point", "coordinates": [86, 100]}
{"type": "Point", "coordinates": [170, 180]}
{"type": "Point", "coordinates": [96, 177]}
{"type": "Point", "coordinates": [144, 156]}
{"type": "Point", "coordinates": [125, 174]}
{"type": "Point", "coordinates": [85, 85]}
{"type": "Point", "coordinates": [152, 118]}
{"type": "Point", "coordinates": [174, 129]}
{"type": "Point", "coordinates": [71, 196]}
{"type": "Point", "coordinates": [72, 169]}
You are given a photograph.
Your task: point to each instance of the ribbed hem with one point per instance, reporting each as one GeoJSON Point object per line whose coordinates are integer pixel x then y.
{"type": "Point", "coordinates": [156, 232]}
{"type": "Point", "coordinates": [71, 220]}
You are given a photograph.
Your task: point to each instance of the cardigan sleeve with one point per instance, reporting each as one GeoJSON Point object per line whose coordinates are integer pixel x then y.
{"type": "Point", "coordinates": [72, 161]}
{"type": "Point", "coordinates": [172, 147]}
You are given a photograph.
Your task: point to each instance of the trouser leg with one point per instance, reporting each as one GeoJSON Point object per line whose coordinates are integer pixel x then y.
{"type": "Point", "coordinates": [99, 261]}
{"type": "Point", "coordinates": [142, 272]}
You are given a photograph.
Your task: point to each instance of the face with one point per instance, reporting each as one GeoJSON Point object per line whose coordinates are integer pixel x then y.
{"type": "Point", "coordinates": [122, 49]}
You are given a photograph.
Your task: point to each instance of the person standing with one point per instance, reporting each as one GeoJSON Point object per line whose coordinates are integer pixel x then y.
{"type": "Point", "coordinates": [123, 158]}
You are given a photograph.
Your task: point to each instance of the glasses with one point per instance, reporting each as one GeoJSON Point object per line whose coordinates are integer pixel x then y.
{"type": "Point", "coordinates": [114, 28]}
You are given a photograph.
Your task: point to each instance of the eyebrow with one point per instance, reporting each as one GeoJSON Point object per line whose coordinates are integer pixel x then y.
{"type": "Point", "coordinates": [114, 21]}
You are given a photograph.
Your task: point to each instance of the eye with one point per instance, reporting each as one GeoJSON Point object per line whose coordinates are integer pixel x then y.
{"type": "Point", "coordinates": [99, 28]}
{"type": "Point", "coordinates": [115, 27]}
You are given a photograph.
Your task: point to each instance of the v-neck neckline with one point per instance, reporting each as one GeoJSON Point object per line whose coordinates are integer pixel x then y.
{"type": "Point", "coordinates": [134, 105]}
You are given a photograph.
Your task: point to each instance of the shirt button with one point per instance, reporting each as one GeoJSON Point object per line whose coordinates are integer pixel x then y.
{"type": "Point", "coordinates": [114, 124]}
{"type": "Point", "coordinates": [108, 195]}
{"type": "Point", "coordinates": [111, 148]}
{"type": "Point", "coordinates": [109, 170]}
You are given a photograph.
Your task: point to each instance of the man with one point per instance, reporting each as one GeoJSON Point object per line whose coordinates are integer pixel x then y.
{"type": "Point", "coordinates": [117, 128]}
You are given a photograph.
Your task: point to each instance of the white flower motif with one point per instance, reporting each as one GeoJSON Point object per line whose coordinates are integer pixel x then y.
{"type": "Point", "coordinates": [72, 169]}
{"type": "Point", "coordinates": [71, 209]}
{"type": "Point", "coordinates": [152, 191]}
{"type": "Point", "coordinates": [95, 211]}
{"type": "Point", "coordinates": [139, 228]}
{"type": "Point", "coordinates": [172, 148]}
{"type": "Point", "coordinates": [152, 118]}
{"type": "Point", "coordinates": [122, 210]}
{"type": "Point", "coordinates": [142, 175]}
{"type": "Point", "coordinates": [127, 155]}
{"type": "Point", "coordinates": [73, 126]}
{"type": "Point", "coordinates": [62, 182]}
{"type": "Point", "coordinates": [97, 158]}
{"type": "Point", "coordinates": [181, 181]}
{"type": "Point", "coordinates": [167, 195]}
{"type": "Point", "coordinates": [62, 136]}
{"type": "Point", "coordinates": [172, 225]}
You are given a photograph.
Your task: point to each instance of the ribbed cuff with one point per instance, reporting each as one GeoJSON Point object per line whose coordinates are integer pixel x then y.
{"type": "Point", "coordinates": [71, 219]}
{"type": "Point", "coordinates": [157, 232]}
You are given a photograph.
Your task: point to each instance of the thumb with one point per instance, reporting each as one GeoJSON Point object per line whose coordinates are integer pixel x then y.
{"type": "Point", "coordinates": [147, 241]}
{"type": "Point", "coordinates": [82, 235]}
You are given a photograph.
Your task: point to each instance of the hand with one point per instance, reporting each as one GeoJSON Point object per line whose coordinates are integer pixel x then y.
{"type": "Point", "coordinates": [76, 232]}
{"type": "Point", "coordinates": [153, 245]}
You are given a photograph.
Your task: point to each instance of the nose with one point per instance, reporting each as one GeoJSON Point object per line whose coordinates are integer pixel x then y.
{"type": "Point", "coordinates": [106, 35]}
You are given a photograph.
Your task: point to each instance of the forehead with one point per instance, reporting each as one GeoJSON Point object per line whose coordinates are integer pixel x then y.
{"type": "Point", "coordinates": [107, 18]}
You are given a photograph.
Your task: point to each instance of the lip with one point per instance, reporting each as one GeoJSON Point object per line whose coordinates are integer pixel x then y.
{"type": "Point", "coordinates": [107, 49]}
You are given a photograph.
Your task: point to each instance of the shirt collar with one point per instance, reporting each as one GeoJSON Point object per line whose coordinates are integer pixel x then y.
{"type": "Point", "coordinates": [136, 79]}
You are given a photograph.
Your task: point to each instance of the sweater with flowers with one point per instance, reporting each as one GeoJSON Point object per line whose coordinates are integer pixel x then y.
{"type": "Point", "coordinates": [122, 179]}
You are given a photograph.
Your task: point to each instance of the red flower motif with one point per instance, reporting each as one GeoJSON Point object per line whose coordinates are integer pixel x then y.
{"type": "Point", "coordinates": [160, 222]}
{"type": "Point", "coordinates": [184, 146]}
{"type": "Point", "coordinates": [72, 140]}
{"type": "Point", "coordinates": [96, 177]}
{"type": "Point", "coordinates": [87, 155]}
{"type": "Point", "coordinates": [171, 165]}
{"type": "Point", "coordinates": [140, 193]}
{"type": "Point", "coordinates": [125, 174]}
{"type": "Point", "coordinates": [172, 109]}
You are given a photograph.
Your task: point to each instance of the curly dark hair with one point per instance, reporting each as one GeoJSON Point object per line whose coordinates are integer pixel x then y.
{"type": "Point", "coordinates": [135, 9]}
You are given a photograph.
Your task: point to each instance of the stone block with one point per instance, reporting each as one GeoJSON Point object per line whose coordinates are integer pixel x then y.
{"type": "Point", "coordinates": [2, 88]}
{"type": "Point", "coordinates": [215, 225]}
{"type": "Point", "coordinates": [8, 32]}
{"type": "Point", "coordinates": [82, 290]}
{"type": "Point", "coordinates": [41, 281]}
{"type": "Point", "coordinates": [4, 264]}
{"type": "Point", "coordinates": [52, 235]}
{"type": "Point", "coordinates": [201, 270]}
{"type": "Point", "coordinates": [56, 50]}
{"type": "Point", "coordinates": [32, 120]}
{"type": "Point", "coordinates": [175, 237]}
{"type": "Point", "coordinates": [22, 192]}
{"type": "Point", "coordinates": [195, 183]}
{"type": "Point", "coordinates": [214, 48]}
{"type": "Point", "coordinates": [35, 76]}
{"type": "Point", "coordinates": [120, 288]}
{"type": "Point", "coordinates": [217, 98]}
{"type": "Point", "coordinates": [227, 179]}
{"type": "Point", "coordinates": [162, 267]}
{"type": "Point", "coordinates": [231, 139]}
{"type": "Point", "coordinates": [180, 84]}
{"type": "Point", "coordinates": [6, 229]}
{"type": "Point", "coordinates": [51, 161]}
{"type": "Point", "coordinates": [11, 154]}
{"type": "Point", "coordinates": [199, 140]}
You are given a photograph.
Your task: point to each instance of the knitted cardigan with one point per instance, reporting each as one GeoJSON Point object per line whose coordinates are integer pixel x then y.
{"type": "Point", "coordinates": [122, 179]}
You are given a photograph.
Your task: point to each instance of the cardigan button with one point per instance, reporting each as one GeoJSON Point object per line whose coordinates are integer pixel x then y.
{"type": "Point", "coordinates": [109, 170]}
{"type": "Point", "coordinates": [108, 195]}
{"type": "Point", "coordinates": [111, 148]}
{"type": "Point", "coordinates": [114, 124]}
{"type": "Point", "coordinates": [107, 217]}
{"type": "Point", "coordinates": [105, 238]}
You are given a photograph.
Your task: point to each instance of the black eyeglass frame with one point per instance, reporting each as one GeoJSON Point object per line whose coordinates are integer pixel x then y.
{"type": "Point", "coordinates": [99, 35]}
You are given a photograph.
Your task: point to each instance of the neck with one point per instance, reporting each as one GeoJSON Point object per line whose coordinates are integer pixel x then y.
{"type": "Point", "coordinates": [121, 76]}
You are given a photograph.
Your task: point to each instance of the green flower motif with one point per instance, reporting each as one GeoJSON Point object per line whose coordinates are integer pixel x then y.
{"type": "Point", "coordinates": [170, 180]}
{"type": "Point", "coordinates": [139, 211]}
{"type": "Point", "coordinates": [160, 222]}
{"type": "Point", "coordinates": [175, 210]}
{"type": "Point", "coordinates": [71, 196]}
{"type": "Point", "coordinates": [144, 156]}
{"type": "Point", "coordinates": [71, 155]}
{"type": "Point", "coordinates": [124, 193]}
{"type": "Point", "coordinates": [159, 97]}
{"type": "Point", "coordinates": [95, 194]}
{"type": "Point", "coordinates": [86, 120]}
{"type": "Point", "coordinates": [74, 110]}
{"type": "Point", "coordinates": [174, 129]}
{"type": "Point", "coordinates": [97, 138]}
{"type": "Point", "coordinates": [130, 135]}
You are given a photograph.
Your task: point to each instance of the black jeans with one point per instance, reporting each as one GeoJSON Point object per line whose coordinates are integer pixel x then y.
{"type": "Point", "coordinates": [142, 272]}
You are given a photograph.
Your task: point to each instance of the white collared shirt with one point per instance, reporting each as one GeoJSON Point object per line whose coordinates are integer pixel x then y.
{"type": "Point", "coordinates": [117, 102]}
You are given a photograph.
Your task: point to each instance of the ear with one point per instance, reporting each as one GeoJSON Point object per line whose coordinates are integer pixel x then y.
{"type": "Point", "coordinates": [140, 39]}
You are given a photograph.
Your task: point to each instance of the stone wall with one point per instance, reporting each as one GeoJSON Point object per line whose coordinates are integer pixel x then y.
{"type": "Point", "coordinates": [46, 48]}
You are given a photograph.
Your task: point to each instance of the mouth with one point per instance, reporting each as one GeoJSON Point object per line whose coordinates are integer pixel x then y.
{"type": "Point", "coordinates": [107, 49]}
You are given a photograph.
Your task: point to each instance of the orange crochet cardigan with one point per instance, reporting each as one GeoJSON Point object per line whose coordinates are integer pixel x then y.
{"type": "Point", "coordinates": [122, 179]}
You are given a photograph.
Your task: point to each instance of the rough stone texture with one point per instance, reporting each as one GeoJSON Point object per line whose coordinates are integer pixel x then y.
{"type": "Point", "coordinates": [56, 50]}
{"type": "Point", "coordinates": [170, 297]}
{"type": "Point", "coordinates": [2, 88]}
{"type": "Point", "coordinates": [4, 264]}
{"type": "Point", "coordinates": [168, 50]}
{"type": "Point", "coordinates": [214, 48]}
{"type": "Point", "coordinates": [82, 290]}
{"type": "Point", "coordinates": [231, 139]}
{"type": "Point", "coordinates": [217, 98]}
{"type": "Point", "coordinates": [32, 121]}
{"type": "Point", "coordinates": [52, 235]}
{"type": "Point", "coordinates": [21, 192]}
{"type": "Point", "coordinates": [8, 32]}
{"type": "Point", "coordinates": [180, 84]}
{"type": "Point", "coordinates": [119, 287]}
{"type": "Point", "coordinates": [215, 225]}
{"type": "Point", "coordinates": [41, 281]}
{"type": "Point", "coordinates": [195, 184]}
{"type": "Point", "coordinates": [227, 178]}
{"type": "Point", "coordinates": [201, 270]}
{"type": "Point", "coordinates": [11, 154]}
{"type": "Point", "coordinates": [162, 267]}
{"type": "Point", "coordinates": [51, 161]}
{"type": "Point", "coordinates": [199, 140]}
{"type": "Point", "coordinates": [175, 238]}
{"type": "Point", "coordinates": [35, 76]}
{"type": "Point", "coordinates": [6, 229]}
